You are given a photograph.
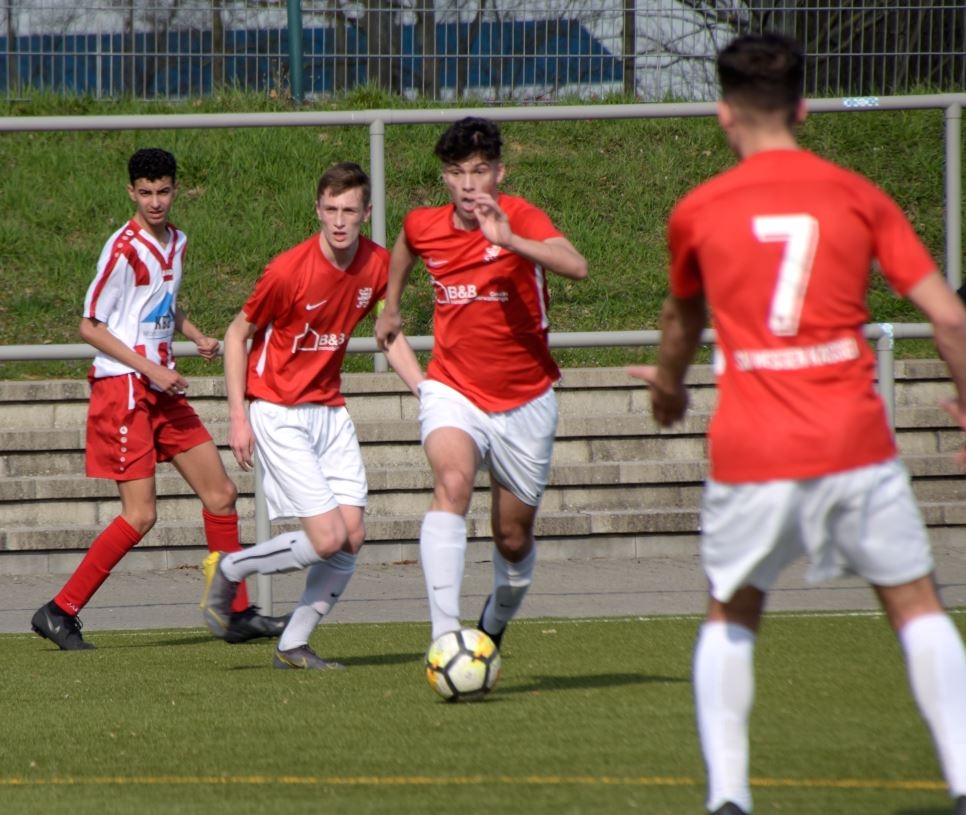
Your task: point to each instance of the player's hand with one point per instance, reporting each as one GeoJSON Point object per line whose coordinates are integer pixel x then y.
{"type": "Point", "coordinates": [241, 440]}
{"type": "Point", "coordinates": [167, 380]}
{"type": "Point", "coordinates": [668, 403]}
{"type": "Point", "coordinates": [958, 415]}
{"type": "Point", "coordinates": [208, 347]}
{"type": "Point", "coordinates": [387, 328]}
{"type": "Point", "coordinates": [493, 222]}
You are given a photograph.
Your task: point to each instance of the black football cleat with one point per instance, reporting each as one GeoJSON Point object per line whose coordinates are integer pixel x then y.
{"type": "Point", "coordinates": [729, 809]}
{"type": "Point", "coordinates": [250, 625]}
{"type": "Point", "coordinates": [61, 628]}
{"type": "Point", "coordinates": [497, 638]}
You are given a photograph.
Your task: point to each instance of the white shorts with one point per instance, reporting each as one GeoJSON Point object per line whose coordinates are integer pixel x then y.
{"type": "Point", "coordinates": [516, 445]}
{"type": "Point", "coordinates": [862, 521]}
{"type": "Point", "coordinates": [310, 457]}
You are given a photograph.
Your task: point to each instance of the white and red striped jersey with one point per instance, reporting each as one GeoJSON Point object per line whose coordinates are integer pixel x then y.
{"type": "Point", "coordinates": [135, 294]}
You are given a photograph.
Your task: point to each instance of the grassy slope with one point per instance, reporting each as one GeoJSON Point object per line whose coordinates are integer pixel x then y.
{"type": "Point", "coordinates": [247, 194]}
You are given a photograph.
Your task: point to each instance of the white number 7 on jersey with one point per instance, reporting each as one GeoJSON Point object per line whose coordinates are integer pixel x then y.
{"type": "Point", "coordinates": [799, 233]}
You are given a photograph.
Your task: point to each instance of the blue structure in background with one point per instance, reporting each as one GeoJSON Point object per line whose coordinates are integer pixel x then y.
{"type": "Point", "coordinates": [507, 55]}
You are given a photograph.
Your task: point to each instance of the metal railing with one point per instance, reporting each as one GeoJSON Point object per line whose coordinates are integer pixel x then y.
{"type": "Point", "coordinates": [883, 335]}
{"type": "Point", "coordinates": [377, 120]}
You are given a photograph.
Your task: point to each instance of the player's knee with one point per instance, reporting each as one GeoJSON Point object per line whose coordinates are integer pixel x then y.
{"type": "Point", "coordinates": [453, 491]}
{"type": "Point", "coordinates": [142, 520]}
{"type": "Point", "coordinates": [221, 500]}
{"type": "Point", "coordinates": [355, 539]}
{"type": "Point", "coordinates": [513, 541]}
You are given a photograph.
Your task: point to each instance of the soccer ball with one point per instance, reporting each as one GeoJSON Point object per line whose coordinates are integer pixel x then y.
{"type": "Point", "coordinates": [463, 666]}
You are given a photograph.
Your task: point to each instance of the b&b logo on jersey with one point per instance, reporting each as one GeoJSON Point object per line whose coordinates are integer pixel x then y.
{"type": "Point", "coordinates": [363, 298]}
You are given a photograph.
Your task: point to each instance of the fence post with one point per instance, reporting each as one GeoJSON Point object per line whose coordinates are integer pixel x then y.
{"type": "Point", "coordinates": [263, 531]}
{"type": "Point", "coordinates": [954, 191]}
{"type": "Point", "coordinates": [295, 50]}
{"type": "Point", "coordinates": [377, 175]}
{"type": "Point", "coordinates": [885, 370]}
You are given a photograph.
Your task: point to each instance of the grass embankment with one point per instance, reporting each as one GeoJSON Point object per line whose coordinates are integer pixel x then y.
{"type": "Point", "coordinates": [247, 194]}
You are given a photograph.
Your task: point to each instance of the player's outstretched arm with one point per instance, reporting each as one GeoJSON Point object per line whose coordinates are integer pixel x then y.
{"type": "Point", "coordinates": [241, 439]}
{"type": "Point", "coordinates": [208, 347]}
{"type": "Point", "coordinates": [389, 320]}
{"type": "Point", "coordinates": [682, 321]}
{"type": "Point", "coordinates": [402, 358]}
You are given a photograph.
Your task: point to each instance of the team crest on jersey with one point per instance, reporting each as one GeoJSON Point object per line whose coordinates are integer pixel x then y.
{"type": "Point", "coordinates": [492, 253]}
{"type": "Point", "coordinates": [363, 297]}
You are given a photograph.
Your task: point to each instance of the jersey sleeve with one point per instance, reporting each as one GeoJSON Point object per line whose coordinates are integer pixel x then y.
{"type": "Point", "coordinates": [533, 223]}
{"type": "Point", "coordinates": [106, 289]}
{"type": "Point", "coordinates": [903, 258]}
{"type": "Point", "coordinates": [261, 305]}
{"type": "Point", "coordinates": [685, 274]}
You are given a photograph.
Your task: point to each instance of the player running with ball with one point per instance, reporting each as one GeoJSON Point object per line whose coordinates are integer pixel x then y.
{"type": "Point", "coordinates": [488, 396]}
{"type": "Point", "coordinates": [299, 319]}
{"type": "Point", "coordinates": [803, 459]}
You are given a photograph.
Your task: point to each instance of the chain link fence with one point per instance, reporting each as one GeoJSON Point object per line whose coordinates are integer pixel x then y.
{"type": "Point", "coordinates": [492, 50]}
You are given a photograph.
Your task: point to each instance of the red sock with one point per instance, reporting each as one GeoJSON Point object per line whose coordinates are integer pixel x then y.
{"type": "Point", "coordinates": [107, 549]}
{"type": "Point", "coordinates": [221, 532]}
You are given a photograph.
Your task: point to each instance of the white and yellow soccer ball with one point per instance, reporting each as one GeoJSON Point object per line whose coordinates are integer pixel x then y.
{"type": "Point", "coordinates": [463, 666]}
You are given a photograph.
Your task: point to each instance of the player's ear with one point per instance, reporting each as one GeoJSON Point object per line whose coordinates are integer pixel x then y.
{"type": "Point", "coordinates": [500, 172]}
{"type": "Point", "coordinates": [801, 111]}
{"type": "Point", "coordinates": [367, 213]}
{"type": "Point", "coordinates": [131, 193]}
{"type": "Point", "coordinates": [726, 116]}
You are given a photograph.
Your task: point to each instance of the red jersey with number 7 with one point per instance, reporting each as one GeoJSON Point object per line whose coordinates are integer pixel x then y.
{"type": "Point", "coordinates": [490, 321]}
{"type": "Point", "coordinates": [782, 247]}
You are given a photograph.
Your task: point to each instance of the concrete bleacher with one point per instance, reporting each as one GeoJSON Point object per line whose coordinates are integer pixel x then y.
{"type": "Point", "coordinates": [620, 487]}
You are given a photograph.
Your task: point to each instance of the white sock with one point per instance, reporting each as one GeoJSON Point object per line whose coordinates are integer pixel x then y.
{"type": "Point", "coordinates": [287, 552]}
{"type": "Point", "coordinates": [724, 689]}
{"type": "Point", "coordinates": [936, 664]}
{"type": "Point", "coordinates": [510, 584]}
{"type": "Point", "coordinates": [442, 553]}
{"type": "Point", "coordinates": [324, 584]}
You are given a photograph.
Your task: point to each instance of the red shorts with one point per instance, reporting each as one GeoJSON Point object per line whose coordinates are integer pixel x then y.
{"type": "Point", "coordinates": [131, 427]}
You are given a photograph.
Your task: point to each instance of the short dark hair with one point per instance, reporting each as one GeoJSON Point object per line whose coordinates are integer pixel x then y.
{"type": "Point", "coordinates": [470, 137]}
{"type": "Point", "coordinates": [342, 177]}
{"type": "Point", "coordinates": [763, 72]}
{"type": "Point", "coordinates": [152, 163]}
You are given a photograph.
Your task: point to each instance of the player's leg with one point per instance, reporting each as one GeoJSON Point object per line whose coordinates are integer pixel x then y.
{"type": "Point", "coordinates": [325, 583]}
{"type": "Point", "coordinates": [514, 557]}
{"type": "Point", "coordinates": [454, 458]}
{"type": "Point", "coordinates": [936, 667]}
{"type": "Point", "coordinates": [521, 448]}
{"type": "Point", "coordinates": [885, 541]}
{"type": "Point", "coordinates": [749, 534]}
{"type": "Point", "coordinates": [724, 690]}
{"type": "Point", "coordinates": [183, 439]}
{"type": "Point", "coordinates": [119, 446]}
{"type": "Point", "coordinates": [57, 620]}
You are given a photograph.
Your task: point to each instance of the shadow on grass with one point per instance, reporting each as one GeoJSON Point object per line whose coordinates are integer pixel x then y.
{"type": "Point", "coordinates": [548, 683]}
{"type": "Point", "coordinates": [927, 811]}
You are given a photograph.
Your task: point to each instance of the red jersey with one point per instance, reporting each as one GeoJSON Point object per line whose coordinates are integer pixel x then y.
{"type": "Point", "coordinates": [782, 247]}
{"type": "Point", "coordinates": [305, 310]}
{"type": "Point", "coordinates": [490, 322]}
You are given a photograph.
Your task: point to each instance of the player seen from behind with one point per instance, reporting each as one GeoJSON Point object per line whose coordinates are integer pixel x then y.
{"type": "Point", "coordinates": [803, 459]}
